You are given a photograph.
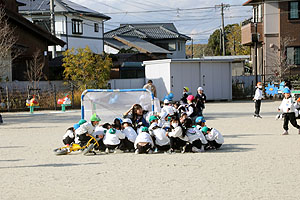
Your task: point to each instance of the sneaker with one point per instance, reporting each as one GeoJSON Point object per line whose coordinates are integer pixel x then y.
{"type": "Point", "coordinates": [150, 152]}
{"type": "Point", "coordinates": [285, 133]}
{"type": "Point", "coordinates": [277, 117]}
{"type": "Point", "coordinates": [107, 151]}
{"type": "Point", "coordinates": [195, 150]}
{"type": "Point", "coordinates": [202, 149]}
{"type": "Point", "coordinates": [170, 151]}
{"type": "Point", "coordinates": [183, 149]}
{"type": "Point", "coordinates": [155, 150]}
{"type": "Point", "coordinates": [255, 116]}
{"type": "Point", "coordinates": [258, 116]}
{"type": "Point", "coordinates": [136, 151]}
{"type": "Point", "coordinates": [118, 151]}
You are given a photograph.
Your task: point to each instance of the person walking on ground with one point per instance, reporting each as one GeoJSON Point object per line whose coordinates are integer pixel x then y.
{"type": "Point", "coordinates": [149, 86]}
{"type": "Point", "coordinates": [257, 100]}
{"type": "Point", "coordinates": [288, 108]}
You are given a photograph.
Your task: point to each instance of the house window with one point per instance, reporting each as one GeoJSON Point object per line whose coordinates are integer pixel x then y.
{"type": "Point", "coordinates": [294, 10]}
{"type": "Point", "coordinates": [293, 55]}
{"type": "Point", "coordinates": [77, 26]}
{"type": "Point", "coordinates": [172, 46]}
{"type": "Point", "coordinates": [179, 46]}
{"type": "Point", "coordinates": [96, 27]}
{"type": "Point", "coordinates": [257, 13]}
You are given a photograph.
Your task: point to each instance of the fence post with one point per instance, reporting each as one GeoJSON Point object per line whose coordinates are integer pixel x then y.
{"type": "Point", "coordinates": [7, 99]}
{"type": "Point", "coordinates": [55, 103]}
{"type": "Point", "coordinates": [72, 89]}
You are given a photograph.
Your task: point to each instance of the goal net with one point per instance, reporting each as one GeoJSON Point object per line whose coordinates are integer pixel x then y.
{"type": "Point", "coordinates": [112, 103]}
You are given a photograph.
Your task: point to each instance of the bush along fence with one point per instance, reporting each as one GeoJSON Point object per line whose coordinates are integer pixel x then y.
{"type": "Point", "coordinates": [13, 99]}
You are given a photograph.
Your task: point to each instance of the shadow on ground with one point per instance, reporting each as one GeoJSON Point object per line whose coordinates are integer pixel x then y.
{"type": "Point", "coordinates": [51, 165]}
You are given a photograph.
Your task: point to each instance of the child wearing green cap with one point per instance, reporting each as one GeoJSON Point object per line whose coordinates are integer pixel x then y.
{"type": "Point", "coordinates": [143, 142]}
{"type": "Point", "coordinates": [159, 135]}
{"type": "Point", "coordinates": [213, 137]}
{"type": "Point", "coordinates": [112, 139]}
{"type": "Point", "coordinates": [87, 129]}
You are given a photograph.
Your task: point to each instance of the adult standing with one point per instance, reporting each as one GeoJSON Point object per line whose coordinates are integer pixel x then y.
{"type": "Point", "coordinates": [149, 86]}
{"type": "Point", "coordinates": [257, 99]}
{"type": "Point", "coordinates": [200, 101]}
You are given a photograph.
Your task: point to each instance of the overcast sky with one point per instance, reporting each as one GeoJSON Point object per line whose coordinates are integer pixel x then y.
{"type": "Point", "coordinates": [196, 18]}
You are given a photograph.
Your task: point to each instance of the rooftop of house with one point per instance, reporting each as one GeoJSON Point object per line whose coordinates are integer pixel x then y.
{"type": "Point", "coordinates": [38, 6]}
{"type": "Point", "coordinates": [147, 31]}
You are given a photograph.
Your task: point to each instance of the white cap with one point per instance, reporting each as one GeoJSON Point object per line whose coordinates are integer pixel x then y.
{"type": "Point", "coordinates": [127, 120]}
{"type": "Point", "coordinates": [166, 101]}
{"type": "Point", "coordinates": [200, 88]}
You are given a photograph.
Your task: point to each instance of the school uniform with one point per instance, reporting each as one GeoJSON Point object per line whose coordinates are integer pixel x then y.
{"type": "Point", "coordinates": [257, 99]}
{"type": "Point", "coordinates": [288, 108]}
{"type": "Point", "coordinates": [191, 111]}
{"type": "Point", "coordinates": [196, 138]}
{"type": "Point", "coordinates": [214, 139]}
{"type": "Point", "coordinates": [143, 137]}
{"type": "Point", "coordinates": [69, 137]}
{"type": "Point", "coordinates": [130, 136]}
{"type": "Point", "coordinates": [200, 103]}
{"type": "Point", "coordinates": [112, 140]}
{"type": "Point", "coordinates": [86, 128]}
{"type": "Point", "coordinates": [177, 140]}
{"type": "Point", "coordinates": [183, 98]}
{"type": "Point", "coordinates": [162, 142]}
{"type": "Point", "coordinates": [99, 131]}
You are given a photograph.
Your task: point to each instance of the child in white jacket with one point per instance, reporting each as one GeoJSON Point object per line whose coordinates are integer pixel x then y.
{"type": "Point", "coordinates": [213, 137]}
{"type": "Point", "coordinates": [160, 138]}
{"type": "Point", "coordinates": [196, 138]}
{"type": "Point", "coordinates": [178, 139]}
{"type": "Point", "coordinates": [69, 136]}
{"type": "Point", "coordinates": [288, 109]}
{"type": "Point", "coordinates": [112, 139]}
{"type": "Point", "coordinates": [130, 135]}
{"type": "Point", "coordinates": [143, 142]}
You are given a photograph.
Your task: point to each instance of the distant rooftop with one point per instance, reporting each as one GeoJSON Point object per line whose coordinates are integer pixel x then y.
{"type": "Point", "coordinates": [37, 6]}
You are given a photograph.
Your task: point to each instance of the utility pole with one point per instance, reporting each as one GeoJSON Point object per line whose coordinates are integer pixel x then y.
{"type": "Point", "coordinates": [192, 48]}
{"type": "Point", "coordinates": [223, 6]}
{"type": "Point", "coordinates": [52, 21]}
{"type": "Point", "coordinates": [255, 52]}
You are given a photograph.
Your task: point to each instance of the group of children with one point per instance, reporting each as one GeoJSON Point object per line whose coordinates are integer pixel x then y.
{"type": "Point", "coordinates": [178, 127]}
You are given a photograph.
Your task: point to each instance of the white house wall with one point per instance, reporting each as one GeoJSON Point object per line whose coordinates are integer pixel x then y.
{"type": "Point", "coordinates": [159, 73]}
{"type": "Point", "coordinates": [110, 50]}
{"type": "Point", "coordinates": [184, 74]}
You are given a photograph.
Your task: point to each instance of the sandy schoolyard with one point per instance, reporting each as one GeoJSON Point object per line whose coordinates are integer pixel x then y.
{"type": "Point", "coordinates": [256, 162]}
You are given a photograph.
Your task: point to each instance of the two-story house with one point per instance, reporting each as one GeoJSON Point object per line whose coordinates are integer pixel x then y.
{"type": "Point", "coordinates": [75, 24]}
{"type": "Point", "coordinates": [274, 29]}
{"type": "Point", "coordinates": [29, 39]}
{"type": "Point", "coordinates": [153, 38]}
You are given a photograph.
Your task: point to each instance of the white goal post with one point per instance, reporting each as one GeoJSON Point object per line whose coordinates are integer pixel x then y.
{"type": "Point", "coordinates": [112, 103]}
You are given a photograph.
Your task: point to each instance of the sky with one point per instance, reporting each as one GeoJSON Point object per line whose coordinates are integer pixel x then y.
{"type": "Point", "coordinates": [195, 18]}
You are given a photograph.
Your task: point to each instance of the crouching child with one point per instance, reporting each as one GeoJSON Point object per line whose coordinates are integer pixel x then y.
{"type": "Point", "coordinates": [112, 140]}
{"type": "Point", "coordinates": [213, 137]}
{"type": "Point", "coordinates": [160, 138]}
{"type": "Point", "coordinates": [144, 142]}
{"type": "Point", "coordinates": [130, 135]}
{"type": "Point", "coordinates": [69, 136]}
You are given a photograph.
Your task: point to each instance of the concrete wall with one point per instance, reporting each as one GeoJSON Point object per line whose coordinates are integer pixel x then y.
{"type": "Point", "coordinates": [127, 83]}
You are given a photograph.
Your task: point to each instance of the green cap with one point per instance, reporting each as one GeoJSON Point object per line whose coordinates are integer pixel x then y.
{"type": "Point", "coordinates": [112, 131]}
{"type": "Point", "coordinates": [152, 118]}
{"type": "Point", "coordinates": [204, 129]}
{"type": "Point", "coordinates": [95, 118]}
{"type": "Point", "coordinates": [145, 129]}
{"type": "Point", "coordinates": [82, 121]}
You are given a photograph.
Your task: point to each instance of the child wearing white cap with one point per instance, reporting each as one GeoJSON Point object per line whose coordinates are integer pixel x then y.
{"type": "Point", "coordinates": [200, 101]}
{"type": "Point", "coordinates": [130, 135]}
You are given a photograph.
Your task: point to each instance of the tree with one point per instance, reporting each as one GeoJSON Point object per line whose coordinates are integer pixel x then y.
{"type": "Point", "coordinates": [34, 72]}
{"type": "Point", "coordinates": [7, 42]}
{"type": "Point", "coordinates": [280, 59]}
{"type": "Point", "coordinates": [232, 41]}
{"type": "Point", "coordinates": [86, 69]}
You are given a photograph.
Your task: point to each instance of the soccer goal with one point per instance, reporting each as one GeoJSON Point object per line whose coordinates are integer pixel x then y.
{"type": "Point", "coordinates": [112, 103]}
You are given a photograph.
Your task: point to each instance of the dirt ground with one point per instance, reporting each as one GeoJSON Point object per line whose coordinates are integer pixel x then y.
{"type": "Point", "coordinates": [256, 162]}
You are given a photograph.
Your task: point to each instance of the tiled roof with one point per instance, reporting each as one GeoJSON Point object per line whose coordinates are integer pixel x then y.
{"type": "Point", "coordinates": [43, 5]}
{"type": "Point", "coordinates": [147, 31]}
{"type": "Point", "coordinates": [141, 45]}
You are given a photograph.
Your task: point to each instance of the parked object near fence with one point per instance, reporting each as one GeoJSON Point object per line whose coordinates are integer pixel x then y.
{"type": "Point", "coordinates": [64, 102]}
{"type": "Point", "coordinates": [32, 104]}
